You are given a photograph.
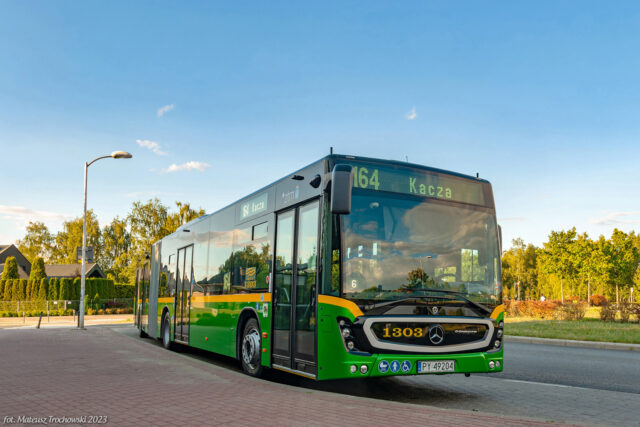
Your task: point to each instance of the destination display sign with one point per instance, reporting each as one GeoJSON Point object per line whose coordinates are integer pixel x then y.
{"type": "Point", "coordinates": [417, 182]}
{"type": "Point", "coordinates": [254, 206]}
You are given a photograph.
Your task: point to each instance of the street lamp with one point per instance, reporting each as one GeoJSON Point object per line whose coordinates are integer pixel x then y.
{"type": "Point", "coordinates": [115, 155]}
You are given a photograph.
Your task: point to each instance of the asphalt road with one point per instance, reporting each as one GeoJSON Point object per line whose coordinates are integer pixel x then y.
{"type": "Point", "coordinates": [552, 383]}
{"type": "Point", "coordinates": [612, 370]}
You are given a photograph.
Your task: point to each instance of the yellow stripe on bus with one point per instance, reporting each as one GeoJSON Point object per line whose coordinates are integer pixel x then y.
{"type": "Point", "coordinates": [262, 297]}
{"type": "Point", "coordinates": [496, 312]}
{"type": "Point", "coordinates": [341, 302]}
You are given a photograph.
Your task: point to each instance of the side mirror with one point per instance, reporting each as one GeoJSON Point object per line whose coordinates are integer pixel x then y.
{"type": "Point", "coordinates": [341, 185]}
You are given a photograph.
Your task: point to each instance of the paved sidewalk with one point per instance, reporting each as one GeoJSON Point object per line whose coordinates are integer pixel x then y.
{"type": "Point", "coordinates": [100, 372]}
{"type": "Point", "coordinates": [98, 319]}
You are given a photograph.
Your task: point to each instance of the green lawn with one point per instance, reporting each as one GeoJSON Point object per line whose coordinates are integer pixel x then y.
{"type": "Point", "coordinates": [589, 329]}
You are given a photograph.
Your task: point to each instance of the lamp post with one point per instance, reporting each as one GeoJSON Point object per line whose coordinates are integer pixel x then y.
{"type": "Point", "coordinates": [114, 155]}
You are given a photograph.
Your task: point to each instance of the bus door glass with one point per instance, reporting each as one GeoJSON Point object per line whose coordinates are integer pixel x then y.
{"type": "Point", "coordinates": [184, 276]}
{"type": "Point", "coordinates": [295, 288]}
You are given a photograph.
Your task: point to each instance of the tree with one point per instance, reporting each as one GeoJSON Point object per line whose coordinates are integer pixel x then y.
{"type": "Point", "coordinates": [116, 242]}
{"type": "Point", "coordinates": [519, 274]}
{"type": "Point", "coordinates": [70, 238]}
{"type": "Point", "coordinates": [38, 242]}
{"type": "Point", "coordinates": [8, 289]}
{"type": "Point", "coordinates": [557, 257]}
{"type": "Point", "coordinates": [37, 269]}
{"type": "Point", "coordinates": [624, 259]}
{"type": "Point", "coordinates": [591, 262]}
{"type": "Point", "coordinates": [10, 270]}
{"type": "Point", "coordinates": [183, 216]}
{"type": "Point", "coordinates": [150, 222]}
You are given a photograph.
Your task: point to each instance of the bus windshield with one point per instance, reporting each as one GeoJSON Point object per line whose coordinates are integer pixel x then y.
{"type": "Point", "coordinates": [396, 247]}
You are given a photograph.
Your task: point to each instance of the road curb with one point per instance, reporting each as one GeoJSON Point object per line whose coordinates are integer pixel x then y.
{"type": "Point", "coordinates": [603, 345]}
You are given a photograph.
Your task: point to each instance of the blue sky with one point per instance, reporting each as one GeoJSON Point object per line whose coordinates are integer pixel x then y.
{"type": "Point", "coordinates": [540, 98]}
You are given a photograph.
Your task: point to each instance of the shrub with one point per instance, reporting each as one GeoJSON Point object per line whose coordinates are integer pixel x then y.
{"type": "Point", "coordinates": [625, 309]}
{"type": "Point", "coordinates": [52, 292]}
{"type": "Point", "coordinates": [607, 313]}
{"type": "Point", "coordinates": [63, 289]}
{"type": "Point", "coordinates": [101, 311]}
{"type": "Point", "coordinates": [16, 293]}
{"type": "Point", "coordinates": [91, 311]}
{"type": "Point", "coordinates": [10, 270]}
{"type": "Point", "coordinates": [123, 290]}
{"type": "Point", "coordinates": [572, 310]}
{"type": "Point", "coordinates": [2, 282]}
{"type": "Point", "coordinates": [42, 290]}
{"type": "Point", "coordinates": [598, 300]}
{"type": "Point", "coordinates": [75, 289]}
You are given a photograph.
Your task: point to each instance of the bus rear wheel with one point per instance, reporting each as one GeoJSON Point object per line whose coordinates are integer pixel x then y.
{"type": "Point", "coordinates": [250, 349]}
{"type": "Point", "coordinates": [166, 332]}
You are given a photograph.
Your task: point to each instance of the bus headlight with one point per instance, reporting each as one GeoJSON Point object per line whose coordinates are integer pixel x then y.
{"type": "Point", "coordinates": [346, 334]}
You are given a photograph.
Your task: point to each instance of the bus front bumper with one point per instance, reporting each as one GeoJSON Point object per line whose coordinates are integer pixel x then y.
{"type": "Point", "coordinates": [383, 365]}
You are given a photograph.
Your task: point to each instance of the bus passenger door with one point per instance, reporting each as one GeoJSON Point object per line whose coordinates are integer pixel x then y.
{"type": "Point", "coordinates": [184, 277]}
{"type": "Point", "coordinates": [295, 289]}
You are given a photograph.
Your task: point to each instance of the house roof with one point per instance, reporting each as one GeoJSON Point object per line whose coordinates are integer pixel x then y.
{"type": "Point", "coordinates": [72, 270]}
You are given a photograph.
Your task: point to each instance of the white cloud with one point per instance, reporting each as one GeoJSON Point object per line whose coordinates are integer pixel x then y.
{"type": "Point", "coordinates": [151, 145]}
{"type": "Point", "coordinates": [192, 165]}
{"type": "Point", "coordinates": [411, 115]}
{"type": "Point", "coordinates": [165, 109]}
{"type": "Point", "coordinates": [20, 212]}
{"type": "Point", "coordinates": [615, 218]}
{"type": "Point", "coordinates": [14, 220]}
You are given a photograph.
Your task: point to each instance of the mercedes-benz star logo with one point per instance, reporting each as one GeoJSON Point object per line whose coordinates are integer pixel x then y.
{"type": "Point", "coordinates": [436, 334]}
{"type": "Point", "coordinates": [435, 310]}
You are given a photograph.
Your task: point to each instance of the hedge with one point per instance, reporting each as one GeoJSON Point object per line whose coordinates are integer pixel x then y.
{"type": "Point", "coordinates": [62, 289]}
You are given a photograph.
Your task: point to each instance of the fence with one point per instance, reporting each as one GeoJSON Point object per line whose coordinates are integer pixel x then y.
{"type": "Point", "coordinates": [66, 307]}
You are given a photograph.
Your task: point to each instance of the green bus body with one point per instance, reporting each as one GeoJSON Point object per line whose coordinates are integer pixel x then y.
{"type": "Point", "coordinates": [217, 272]}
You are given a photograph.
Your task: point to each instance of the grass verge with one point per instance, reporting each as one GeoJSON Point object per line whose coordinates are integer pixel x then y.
{"type": "Point", "coordinates": [588, 329]}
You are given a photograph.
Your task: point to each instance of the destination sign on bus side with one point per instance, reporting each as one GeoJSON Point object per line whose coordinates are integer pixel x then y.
{"type": "Point", "coordinates": [419, 183]}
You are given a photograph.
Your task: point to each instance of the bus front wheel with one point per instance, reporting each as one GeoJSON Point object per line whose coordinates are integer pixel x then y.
{"type": "Point", "coordinates": [166, 332]}
{"type": "Point", "coordinates": [250, 349]}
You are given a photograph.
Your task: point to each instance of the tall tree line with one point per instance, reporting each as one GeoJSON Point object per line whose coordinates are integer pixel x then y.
{"type": "Point", "coordinates": [573, 265]}
{"type": "Point", "coordinates": [119, 247]}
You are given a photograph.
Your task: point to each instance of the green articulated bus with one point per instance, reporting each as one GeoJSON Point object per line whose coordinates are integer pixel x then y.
{"type": "Point", "coordinates": [350, 267]}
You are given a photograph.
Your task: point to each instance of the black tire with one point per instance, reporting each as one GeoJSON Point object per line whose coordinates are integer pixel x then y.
{"type": "Point", "coordinates": [251, 349]}
{"type": "Point", "coordinates": [166, 332]}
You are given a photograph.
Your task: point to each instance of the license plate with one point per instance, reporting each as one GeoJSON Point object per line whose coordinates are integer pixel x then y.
{"type": "Point", "coordinates": [427, 366]}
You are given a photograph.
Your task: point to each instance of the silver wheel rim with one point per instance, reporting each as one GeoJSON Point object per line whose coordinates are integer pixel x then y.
{"type": "Point", "coordinates": [251, 349]}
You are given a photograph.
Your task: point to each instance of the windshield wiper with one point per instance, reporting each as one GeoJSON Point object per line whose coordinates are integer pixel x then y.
{"type": "Point", "coordinates": [458, 294]}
